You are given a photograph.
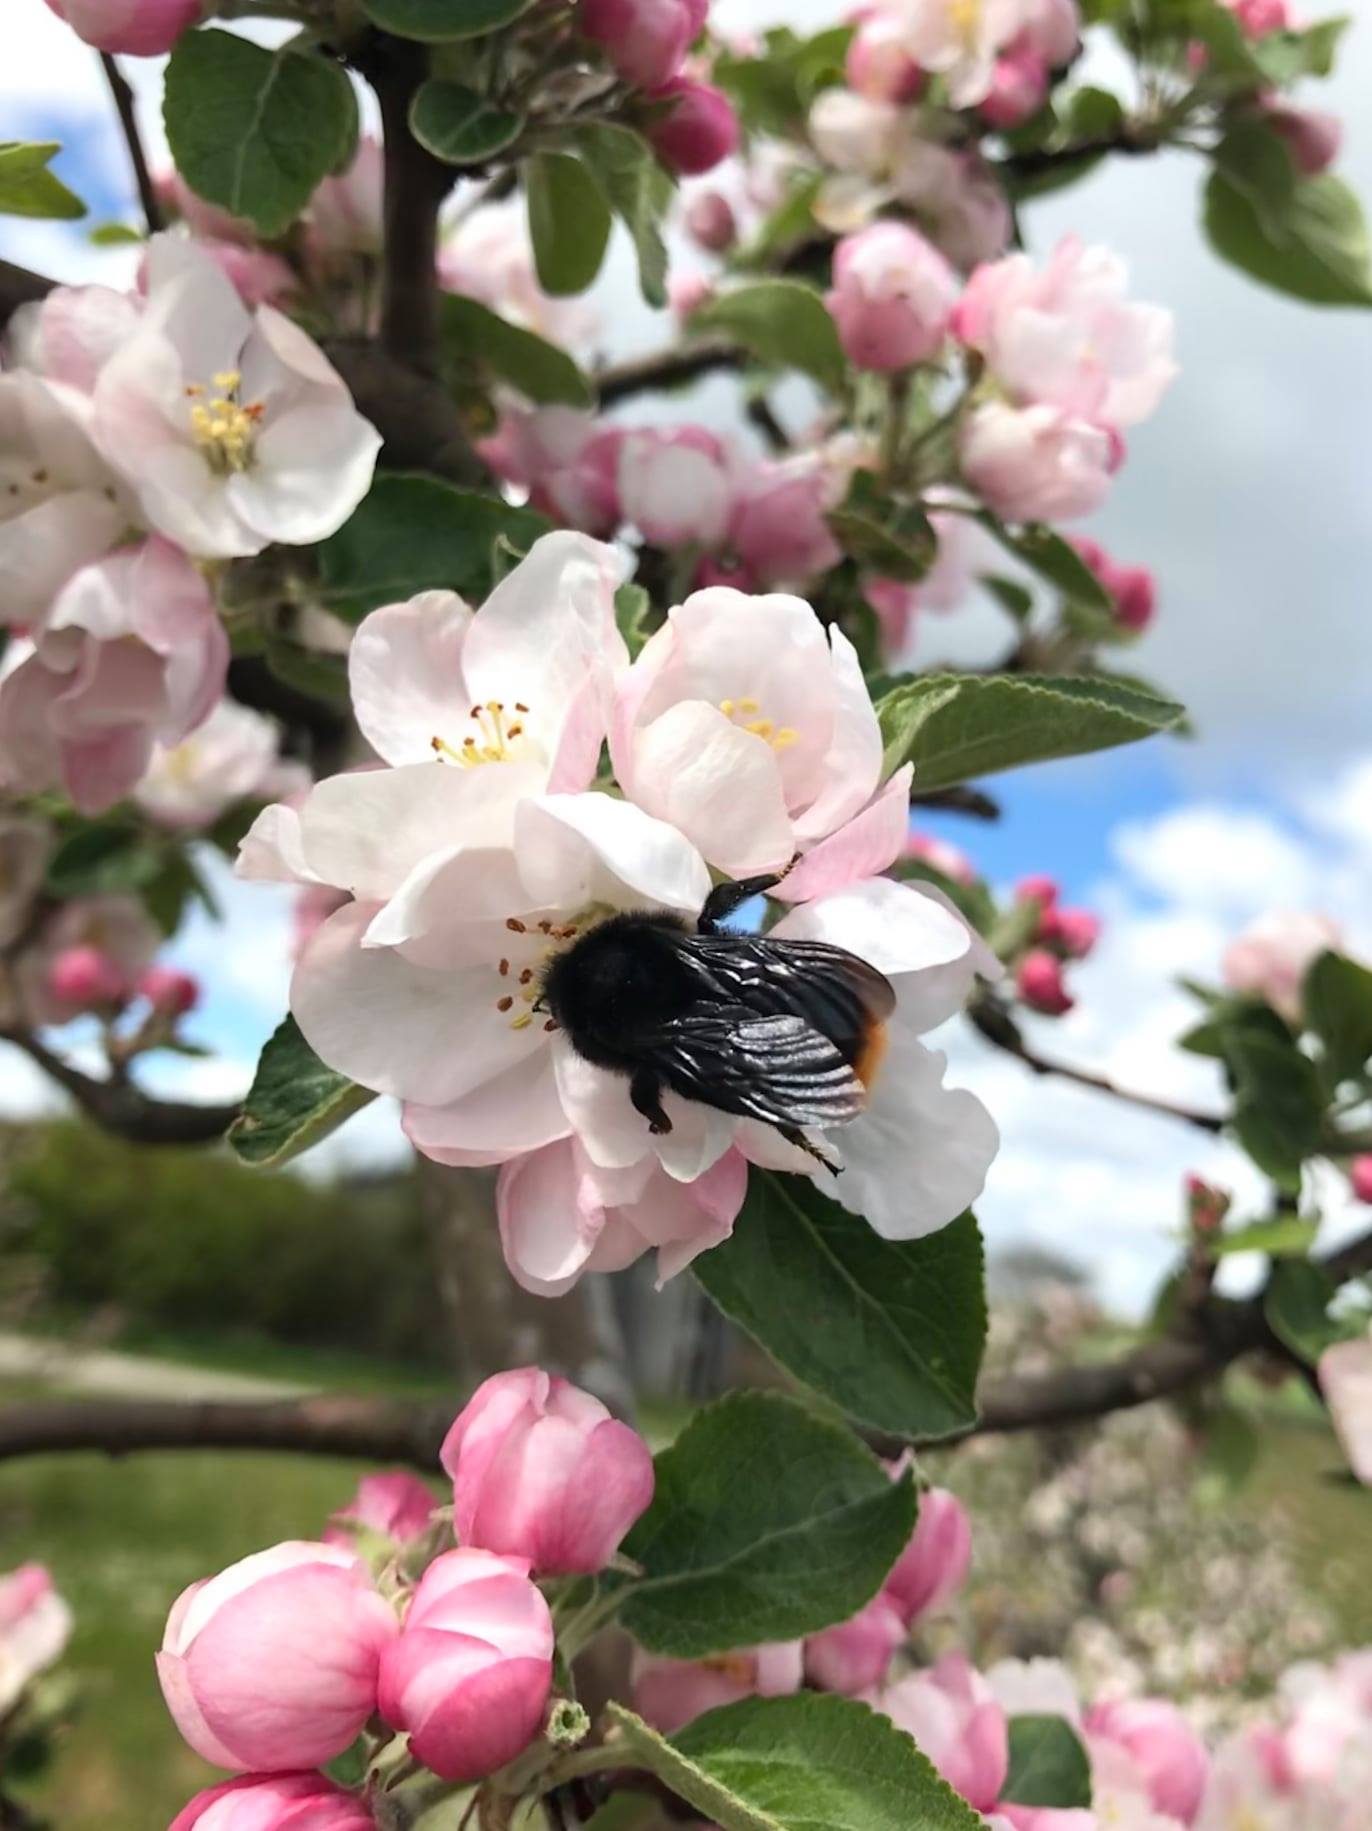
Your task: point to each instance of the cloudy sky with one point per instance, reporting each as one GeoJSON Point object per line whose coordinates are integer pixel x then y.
{"type": "Point", "coordinates": [1250, 494]}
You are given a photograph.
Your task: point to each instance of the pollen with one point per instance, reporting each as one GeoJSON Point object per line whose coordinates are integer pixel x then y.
{"type": "Point", "coordinates": [746, 714]}
{"type": "Point", "coordinates": [522, 1021]}
{"type": "Point", "coordinates": [497, 738]}
{"type": "Point", "coordinates": [504, 1004]}
{"type": "Point", "coordinates": [223, 425]}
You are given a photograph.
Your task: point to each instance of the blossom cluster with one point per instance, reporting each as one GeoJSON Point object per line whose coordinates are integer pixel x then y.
{"type": "Point", "coordinates": [35, 1626]}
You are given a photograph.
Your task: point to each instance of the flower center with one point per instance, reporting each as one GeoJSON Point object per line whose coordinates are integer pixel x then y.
{"type": "Point", "coordinates": [520, 972]}
{"type": "Point", "coordinates": [745, 713]}
{"type": "Point", "coordinates": [965, 17]}
{"type": "Point", "coordinates": [221, 425]}
{"type": "Point", "coordinates": [22, 485]}
{"type": "Point", "coordinates": [500, 737]}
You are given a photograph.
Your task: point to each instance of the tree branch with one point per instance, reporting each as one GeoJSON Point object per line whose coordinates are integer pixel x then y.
{"type": "Point", "coordinates": [959, 799]}
{"type": "Point", "coordinates": [120, 1107]}
{"type": "Point", "coordinates": [1134, 139]}
{"type": "Point", "coordinates": [128, 121]}
{"type": "Point", "coordinates": [415, 185]}
{"type": "Point", "coordinates": [667, 368]}
{"type": "Point", "coordinates": [20, 287]}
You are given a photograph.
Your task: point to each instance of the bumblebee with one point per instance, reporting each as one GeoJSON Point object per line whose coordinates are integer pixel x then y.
{"type": "Point", "coordinates": [787, 1032]}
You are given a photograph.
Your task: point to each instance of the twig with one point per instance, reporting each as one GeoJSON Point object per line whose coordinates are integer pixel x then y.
{"type": "Point", "coordinates": [961, 800]}
{"type": "Point", "coordinates": [20, 287]}
{"type": "Point", "coordinates": [667, 368]}
{"type": "Point", "coordinates": [1133, 140]}
{"type": "Point", "coordinates": [415, 185]}
{"type": "Point", "coordinates": [128, 120]}
{"type": "Point", "coordinates": [120, 1107]}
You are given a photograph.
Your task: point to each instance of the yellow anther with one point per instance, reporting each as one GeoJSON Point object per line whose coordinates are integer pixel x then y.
{"type": "Point", "coordinates": [728, 707]}
{"type": "Point", "coordinates": [749, 706]}
{"type": "Point", "coordinates": [784, 738]}
{"type": "Point", "coordinates": [440, 749]}
{"type": "Point", "coordinates": [228, 379]}
{"type": "Point", "coordinates": [761, 727]}
{"type": "Point", "coordinates": [522, 1021]}
{"type": "Point", "coordinates": [225, 429]}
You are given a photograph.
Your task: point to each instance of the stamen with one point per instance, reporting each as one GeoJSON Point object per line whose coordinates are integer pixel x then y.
{"type": "Point", "coordinates": [504, 1004]}
{"type": "Point", "coordinates": [523, 1021]}
{"type": "Point", "coordinates": [761, 727]}
{"type": "Point", "coordinates": [440, 749]}
{"type": "Point", "coordinates": [749, 706]}
{"type": "Point", "coordinates": [785, 738]}
{"type": "Point", "coordinates": [728, 707]}
{"type": "Point", "coordinates": [515, 926]}
{"type": "Point", "coordinates": [551, 1024]}
{"type": "Point", "coordinates": [503, 968]}
{"type": "Point", "coordinates": [520, 706]}
{"type": "Point", "coordinates": [526, 976]}
{"type": "Point", "coordinates": [227, 380]}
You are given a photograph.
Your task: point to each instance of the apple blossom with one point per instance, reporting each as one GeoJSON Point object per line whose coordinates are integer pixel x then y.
{"type": "Point", "coordinates": [854, 1656]}
{"type": "Point", "coordinates": [469, 1676]}
{"type": "Point", "coordinates": [645, 40]}
{"type": "Point", "coordinates": [687, 292]}
{"type": "Point", "coordinates": [344, 215]}
{"type": "Point", "coordinates": [137, 28]}
{"type": "Point", "coordinates": [1068, 337]}
{"type": "Point", "coordinates": [1039, 982]}
{"type": "Point", "coordinates": [777, 529]}
{"type": "Point", "coordinates": [396, 1505]}
{"type": "Point", "coordinates": [695, 128]}
{"type": "Point", "coordinates": [541, 1471]}
{"type": "Point", "coordinates": [489, 257]}
{"type": "Point", "coordinates": [709, 220]}
{"type": "Point", "coordinates": [1072, 932]}
{"type": "Point", "coordinates": [1270, 959]}
{"type": "Point", "coordinates": [87, 980]}
{"type": "Point", "coordinates": [61, 507]}
{"type": "Point", "coordinates": [115, 926]}
{"type": "Point", "coordinates": [1037, 463]}
{"type": "Point", "coordinates": [233, 754]}
{"type": "Point", "coordinates": [677, 486]}
{"type": "Point", "coordinates": [273, 1664]}
{"type": "Point", "coordinates": [170, 992]}
{"type": "Point", "coordinates": [892, 297]}
{"type": "Point", "coordinates": [1260, 17]}
{"type": "Point", "coordinates": [200, 217]}
{"type": "Point", "coordinates": [934, 1565]}
{"type": "Point", "coordinates": [1019, 85]}
{"type": "Point", "coordinates": [230, 426]}
{"type": "Point", "coordinates": [961, 43]}
{"type": "Point", "coordinates": [856, 134]}
{"type": "Point", "coordinates": [1038, 887]}
{"type": "Point", "coordinates": [258, 276]}
{"type": "Point", "coordinates": [275, 1802]}
{"type": "Point", "coordinates": [959, 199]}
{"type": "Point", "coordinates": [1312, 137]}
{"type": "Point", "coordinates": [566, 460]}
{"type": "Point", "coordinates": [131, 652]}
{"type": "Point", "coordinates": [1170, 1757]}
{"type": "Point", "coordinates": [1360, 1178]}
{"type": "Point", "coordinates": [35, 1626]}
{"type": "Point", "coordinates": [952, 1713]}
{"type": "Point", "coordinates": [877, 65]}
{"type": "Point", "coordinates": [1345, 1374]}
{"type": "Point", "coordinates": [946, 858]}
{"type": "Point", "coordinates": [68, 336]}
{"type": "Point", "coordinates": [669, 1693]}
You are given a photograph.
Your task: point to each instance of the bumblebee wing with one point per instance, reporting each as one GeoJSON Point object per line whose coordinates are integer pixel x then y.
{"type": "Point", "coordinates": [777, 1068]}
{"type": "Point", "coordinates": [840, 996]}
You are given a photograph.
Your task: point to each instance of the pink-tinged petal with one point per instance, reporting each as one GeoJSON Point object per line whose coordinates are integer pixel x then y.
{"type": "Point", "coordinates": [548, 1230]}
{"type": "Point", "coordinates": [518, 1111]}
{"type": "Point", "coordinates": [580, 849]}
{"type": "Point", "coordinates": [179, 1697]}
{"type": "Point", "coordinates": [716, 783]}
{"type": "Point", "coordinates": [487, 1721]}
{"type": "Point", "coordinates": [610, 1488]}
{"type": "Point", "coordinates": [405, 673]}
{"type": "Point", "coordinates": [41, 549]}
{"type": "Point", "coordinates": [272, 851]}
{"type": "Point", "coordinates": [615, 1135]}
{"type": "Point", "coordinates": [868, 845]}
{"type": "Point", "coordinates": [852, 766]}
{"type": "Point", "coordinates": [918, 1154]}
{"type": "Point", "coordinates": [576, 757]}
{"type": "Point", "coordinates": [684, 1219]}
{"type": "Point", "coordinates": [855, 1655]}
{"type": "Point", "coordinates": [478, 1434]}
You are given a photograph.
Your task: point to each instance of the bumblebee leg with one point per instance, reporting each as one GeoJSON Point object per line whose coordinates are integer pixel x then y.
{"type": "Point", "coordinates": [724, 899]}
{"type": "Point", "coordinates": [645, 1090]}
{"type": "Point", "coordinates": [793, 1135]}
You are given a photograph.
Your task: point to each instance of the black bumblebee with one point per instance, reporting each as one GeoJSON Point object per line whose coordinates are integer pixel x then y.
{"type": "Point", "coordinates": [789, 1032]}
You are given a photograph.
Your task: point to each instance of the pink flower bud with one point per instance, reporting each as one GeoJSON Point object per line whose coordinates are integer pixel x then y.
{"type": "Point", "coordinates": [892, 297]}
{"type": "Point", "coordinates": [687, 292]}
{"type": "Point", "coordinates": [854, 1656]}
{"type": "Point", "coordinates": [1170, 1757]}
{"type": "Point", "coordinates": [878, 66]}
{"type": "Point", "coordinates": [1038, 887]}
{"type": "Point", "coordinates": [778, 528]}
{"type": "Point", "coordinates": [1312, 137]}
{"type": "Point", "coordinates": [169, 992]}
{"type": "Point", "coordinates": [469, 1676]}
{"type": "Point", "coordinates": [1038, 463]}
{"type": "Point", "coordinates": [35, 1626]}
{"type": "Point", "coordinates": [696, 130]}
{"type": "Point", "coordinates": [135, 28]}
{"type": "Point", "coordinates": [1259, 17]}
{"type": "Point", "coordinates": [710, 220]}
{"type": "Point", "coordinates": [669, 1693]}
{"type": "Point", "coordinates": [943, 855]}
{"type": "Point", "coordinates": [86, 979]}
{"type": "Point", "coordinates": [1019, 84]}
{"type": "Point", "coordinates": [1073, 932]}
{"type": "Point", "coordinates": [1360, 1176]}
{"type": "Point", "coordinates": [396, 1505]}
{"type": "Point", "coordinates": [645, 40]}
{"type": "Point", "coordinates": [275, 1802]}
{"type": "Point", "coordinates": [897, 606]}
{"type": "Point", "coordinates": [1135, 597]}
{"type": "Point", "coordinates": [952, 1714]}
{"type": "Point", "coordinates": [273, 1663]}
{"type": "Point", "coordinates": [1270, 959]}
{"type": "Point", "coordinates": [1039, 980]}
{"type": "Point", "coordinates": [540, 1470]}
{"type": "Point", "coordinates": [934, 1565]}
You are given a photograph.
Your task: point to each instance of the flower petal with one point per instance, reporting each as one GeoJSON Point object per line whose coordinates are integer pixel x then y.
{"type": "Point", "coordinates": [518, 1111]}
{"type": "Point", "coordinates": [406, 678]}
{"type": "Point", "coordinates": [852, 765]}
{"type": "Point", "coordinates": [580, 849]}
{"type": "Point", "coordinates": [716, 783]}
{"type": "Point", "coordinates": [869, 843]}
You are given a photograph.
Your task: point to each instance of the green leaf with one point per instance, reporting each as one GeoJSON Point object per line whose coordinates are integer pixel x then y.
{"type": "Point", "coordinates": [255, 130]}
{"type": "Point", "coordinates": [895, 539]}
{"type": "Point", "coordinates": [294, 1102]}
{"type": "Point", "coordinates": [1338, 1008]}
{"type": "Point", "coordinates": [412, 534]}
{"type": "Point", "coordinates": [767, 1523]}
{"type": "Point", "coordinates": [1256, 161]}
{"type": "Point", "coordinates": [1279, 1107]}
{"type": "Point", "coordinates": [1285, 57]}
{"type": "Point", "coordinates": [1296, 1305]}
{"type": "Point", "coordinates": [773, 90]}
{"type": "Point", "coordinates": [1283, 1236]}
{"type": "Point", "coordinates": [804, 1763]}
{"type": "Point", "coordinates": [1053, 559]}
{"type": "Point", "coordinates": [890, 1330]}
{"type": "Point", "coordinates": [1313, 245]}
{"type": "Point", "coordinates": [1048, 1765]}
{"type": "Point", "coordinates": [640, 190]}
{"type": "Point", "coordinates": [1012, 597]}
{"type": "Point", "coordinates": [955, 727]}
{"type": "Point", "coordinates": [115, 235]}
{"type": "Point", "coordinates": [633, 613]}
{"type": "Point", "coordinates": [569, 222]}
{"type": "Point", "coordinates": [1212, 1035]}
{"type": "Point", "coordinates": [779, 321]}
{"type": "Point", "coordinates": [321, 676]}
{"type": "Point", "coordinates": [1232, 1447]}
{"type": "Point", "coordinates": [540, 371]}
{"type": "Point", "coordinates": [437, 21]}
{"type": "Point", "coordinates": [97, 857]}
{"type": "Point", "coordinates": [458, 125]}
{"type": "Point", "coordinates": [28, 188]}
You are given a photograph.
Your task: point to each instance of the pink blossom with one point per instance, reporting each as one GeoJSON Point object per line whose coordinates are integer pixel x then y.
{"type": "Point", "coordinates": [676, 485]}
{"type": "Point", "coordinates": [1270, 959]}
{"type": "Point", "coordinates": [696, 128]}
{"type": "Point", "coordinates": [275, 1802]}
{"type": "Point", "coordinates": [61, 507]}
{"type": "Point", "coordinates": [687, 292]}
{"type": "Point", "coordinates": [1260, 17]}
{"type": "Point", "coordinates": [230, 427]}
{"type": "Point", "coordinates": [709, 220]}
{"type": "Point", "coordinates": [170, 992]}
{"type": "Point", "coordinates": [115, 926]}
{"type": "Point", "coordinates": [1132, 587]}
{"type": "Point", "coordinates": [1037, 463]}
{"type": "Point", "coordinates": [645, 40]}
{"type": "Point", "coordinates": [566, 460]}
{"type": "Point", "coordinates": [344, 215]}
{"type": "Point", "coordinates": [541, 1471]}
{"type": "Point", "coordinates": [469, 1676]}
{"type": "Point", "coordinates": [959, 44]}
{"type": "Point", "coordinates": [669, 1693]}
{"type": "Point", "coordinates": [561, 1214]}
{"type": "Point", "coordinates": [1053, 29]}
{"type": "Point", "coordinates": [87, 980]}
{"type": "Point", "coordinates": [934, 1565]}
{"type": "Point", "coordinates": [132, 652]}
{"type": "Point", "coordinates": [892, 297]}
{"type": "Point", "coordinates": [1019, 86]}
{"type": "Point", "coordinates": [200, 217]}
{"type": "Point", "coordinates": [68, 336]}
{"type": "Point", "coordinates": [954, 1718]}
{"type": "Point", "coordinates": [135, 28]}
{"type": "Point", "coordinates": [878, 66]}
{"type": "Point", "coordinates": [395, 1505]}
{"type": "Point", "coordinates": [854, 1656]}
{"type": "Point", "coordinates": [950, 860]}
{"type": "Point", "coordinates": [1038, 887]}
{"type": "Point", "coordinates": [1039, 983]}
{"type": "Point", "coordinates": [777, 530]}
{"type": "Point", "coordinates": [258, 276]}
{"type": "Point", "coordinates": [1072, 932]}
{"type": "Point", "coordinates": [1170, 1757]}
{"type": "Point", "coordinates": [233, 755]}
{"type": "Point", "coordinates": [1069, 337]}
{"type": "Point", "coordinates": [1345, 1373]}
{"type": "Point", "coordinates": [1312, 137]}
{"type": "Point", "coordinates": [313, 905]}
{"type": "Point", "coordinates": [273, 1663]}
{"type": "Point", "coordinates": [35, 1626]}
{"type": "Point", "coordinates": [1360, 1178]}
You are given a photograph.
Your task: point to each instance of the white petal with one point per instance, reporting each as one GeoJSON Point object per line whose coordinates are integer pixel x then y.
{"type": "Point", "coordinates": [406, 679]}
{"type": "Point", "coordinates": [716, 783]}
{"type": "Point", "coordinates": [868, 845]}
{"type": "Point", "coordinates": [852, 767]}
{"type": "Point", "coordinates": [580, 849]}
{"type": "Point", "coordinates": [312, 467]}
{"type": "Point", "coordinates": [271, 849]}
{"type": "Point", "coordinates": [517, 1111]}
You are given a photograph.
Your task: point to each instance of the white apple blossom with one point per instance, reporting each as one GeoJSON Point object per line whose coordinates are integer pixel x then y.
{"type": "Point", "coordinates": [235, 753]}
{"type": "Point", "coordinates": [35, 1626]}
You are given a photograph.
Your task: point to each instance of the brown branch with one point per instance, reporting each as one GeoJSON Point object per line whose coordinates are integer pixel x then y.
{"type": "Point", "coordinates": [667, 368]}
{"type": "Point", "coordinates": [995, 1023]}
{"type": "Point", "coordinates": [415, 185]}
{"type": "Point", "coordinates": [119, 1107]}
{"type": "Point", "coordinates": [133, 139]}
{"type": "Point", "coordinates": [20, 287]}
{"type": "Point", "coordinates": [1134, 140]}
{"type": "Point", "coordinates": [960, 799]}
